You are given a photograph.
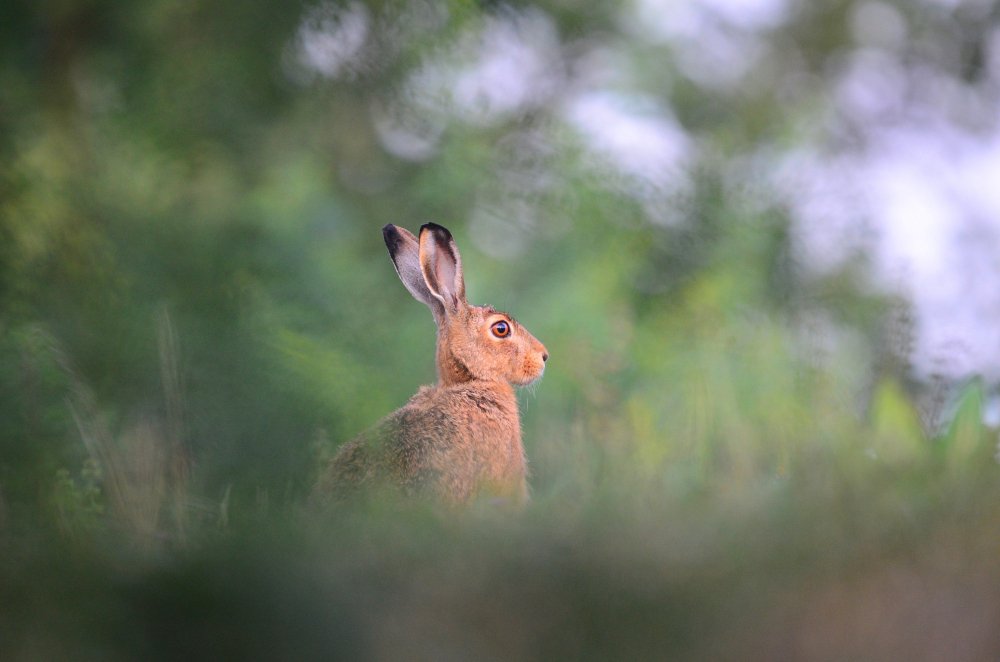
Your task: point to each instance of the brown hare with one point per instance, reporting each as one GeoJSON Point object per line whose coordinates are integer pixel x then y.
{"type": "Point", "coordinates": [461, 438]}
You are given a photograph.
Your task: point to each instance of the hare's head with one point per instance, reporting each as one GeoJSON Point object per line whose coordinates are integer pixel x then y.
{"type": "Point", "coordinates": [474, 342]}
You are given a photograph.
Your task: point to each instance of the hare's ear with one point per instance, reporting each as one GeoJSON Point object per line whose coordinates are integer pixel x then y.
{"type": "Point", "coordinates": [442, 266]}
{"type": "Point", "coordinates": [404, 250]}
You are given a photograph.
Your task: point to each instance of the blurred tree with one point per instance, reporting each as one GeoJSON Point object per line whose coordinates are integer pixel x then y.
{"type": "Point", "coordinates": [610, 173]}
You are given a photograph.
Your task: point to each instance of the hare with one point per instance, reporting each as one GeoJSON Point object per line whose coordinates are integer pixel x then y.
{"type": "Point", "coordinates": [460, 438]}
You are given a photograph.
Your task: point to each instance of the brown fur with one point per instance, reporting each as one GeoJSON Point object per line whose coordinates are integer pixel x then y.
{"type": "Point", "coordinates": [460, 438]}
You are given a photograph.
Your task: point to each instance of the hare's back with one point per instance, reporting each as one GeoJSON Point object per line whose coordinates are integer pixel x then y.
{"type": "Point", "coordinates": [452, 441]}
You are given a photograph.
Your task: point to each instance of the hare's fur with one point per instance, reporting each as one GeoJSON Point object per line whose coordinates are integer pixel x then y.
{"type": "Point", "coordinates": [460, 438]}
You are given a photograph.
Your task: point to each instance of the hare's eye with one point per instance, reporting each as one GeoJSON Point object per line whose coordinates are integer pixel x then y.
{"type": "Point", "coordinates": [500, 329]}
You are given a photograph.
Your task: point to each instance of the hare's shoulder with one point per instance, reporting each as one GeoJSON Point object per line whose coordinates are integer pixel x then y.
{"type": "Point", "coordinates": [465, 402]}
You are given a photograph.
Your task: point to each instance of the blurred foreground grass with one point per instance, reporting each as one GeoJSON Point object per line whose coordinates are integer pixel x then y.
{"type": "Point", "coordinates": [754, 535]}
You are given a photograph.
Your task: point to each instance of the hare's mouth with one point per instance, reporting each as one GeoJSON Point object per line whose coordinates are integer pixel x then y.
{"type": "Point", "coordinates": [529, 379]}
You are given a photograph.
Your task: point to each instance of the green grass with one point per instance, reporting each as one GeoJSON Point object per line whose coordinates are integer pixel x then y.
{"type": "Point", "coordinates": [877, 545]}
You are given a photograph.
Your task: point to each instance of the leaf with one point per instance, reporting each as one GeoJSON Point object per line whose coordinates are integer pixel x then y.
{"type": "Point", "coordinates": [899, 437]}
{"type": "Point", "coordinates": [966, 434]}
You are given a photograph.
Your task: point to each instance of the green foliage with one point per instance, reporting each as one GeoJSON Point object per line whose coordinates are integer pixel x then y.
{"type": "Point", "coordinates": [196, 309]}
{"type": "Point", "coordinates": [78, 501]}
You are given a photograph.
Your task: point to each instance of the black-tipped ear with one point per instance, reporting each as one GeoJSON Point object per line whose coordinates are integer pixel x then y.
{"type": "Point", "coordinates": [441, 264]}
{"type": "Point", "coordinates": [404, 251]}
{"type": "Point", "coordinates": [393, 237]}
